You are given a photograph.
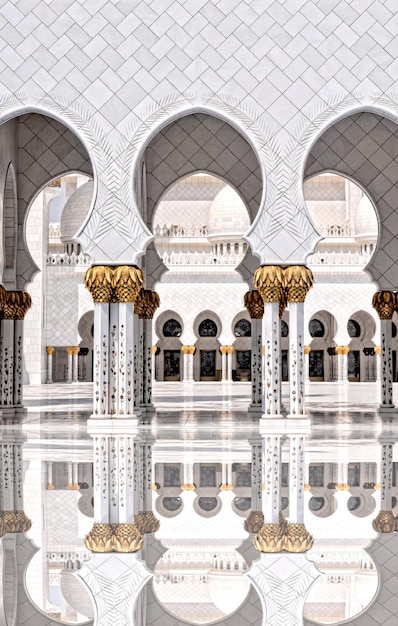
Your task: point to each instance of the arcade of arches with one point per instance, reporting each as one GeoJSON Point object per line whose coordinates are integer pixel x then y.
{"type": "Point", "coordinates": [198, 314]}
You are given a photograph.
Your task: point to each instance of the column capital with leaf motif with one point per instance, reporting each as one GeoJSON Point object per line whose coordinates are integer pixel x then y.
{"type": "Point", "coordinates": [14, 304]}
{"type": "Point", "coordinates": [385, 303]}
{"type": "Point", "coordinates": [146, 303]}
{"type": "Point", "coordinates": [114, 284]}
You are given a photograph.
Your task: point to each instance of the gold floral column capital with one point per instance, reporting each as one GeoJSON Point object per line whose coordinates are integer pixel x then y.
{"type": "Point", "coordinates": [298, 282]}
{"type": "Point", "coordinates": [342, 350]}
{"type": "Point", "coordinates": [98, 280]}
{"type": "Point", "coordinates": [307, 349]}
{"type": "Point", "coordinates": [270, 282]}
{"type": "Point", "coordinates": [254, 304]}
{"type": "Point", "coordinates": [188, 349]}
{"type": "Point", "coordinates": [15, 304]}
{"type": "Point", "coordinates": [378, 350]}
{"type": "Point", "coordinates": [127, 282]}
{"type": "Point", "coordinates": [50, 350]}
{"type": "Point", "coordinates": [114, 284]}
{"type": "Point", "coordinates": [254, 522]}
{"type": "Point", "coordinates": [385, 303]}
{"type": "Point", "coordinates": [146, 303]}
{"type": "Point", "coordinates": [114, 538]}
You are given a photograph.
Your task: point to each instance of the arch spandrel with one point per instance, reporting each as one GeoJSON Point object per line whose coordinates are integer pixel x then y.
{"type": "Point", "coordinates": [359, 143]}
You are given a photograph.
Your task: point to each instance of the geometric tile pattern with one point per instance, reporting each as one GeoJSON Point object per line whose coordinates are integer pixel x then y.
{"type": "Point", "coordinates": [118, 71]}
{"type": "Point", "coordinates": [363, 147]}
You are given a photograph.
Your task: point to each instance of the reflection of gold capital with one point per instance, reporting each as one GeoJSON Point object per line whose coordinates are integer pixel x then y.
{"type": "Point", "coordinates": [297, 538]}
{"type": "Point", "coordinates": [50, 350]}
{"type": "Point", "coordinates": [298, 281]}
{"type": "Point", "coordinates": [269, 280]}
{"type": "Point", "coordinates": [384, 522]}
{"type": "Point", "coordinates": [114, 538]}
{"type": "Point", "coordinates": [270, 538]}
{"type": "Point", "coordinates": [50, 487]}
{"type": "Point", "coordinates": [378, 350]}
{"type": "Point", "coordinates": [14, 522]}
{"type": "Point", "coordinates": [307, 349]}
{"type": "Point", "coordinates": [342, 487]}
{"type": "Point", "coordinates": [254, 522]}
{"type": "Point", "coordinates": [342, 349]}
{"type": "Point", "coordinates": [385, 303]}
{"type": "Point", "coordinates": [146, 522]}
{"type": "Point", "coordinates": [226, 487]}
{"type": "Point", "coordinates": [254, 304]}
{"type": "Point", "coordinates": [188, 487]}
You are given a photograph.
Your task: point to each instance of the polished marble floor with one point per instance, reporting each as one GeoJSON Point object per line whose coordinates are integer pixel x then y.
{"type": "Point", "coordinates": [205, 423]}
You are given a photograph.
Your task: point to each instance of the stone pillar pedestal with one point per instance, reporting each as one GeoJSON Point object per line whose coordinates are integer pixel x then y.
{"type": "Point", "coordinates": [115, 582]}
{"type": "Point", "coordinates": [282, 582]}
{"type": "Point", "coordinates": [188, 352]}
{"type": "Point", "coordinates": [50, 351]}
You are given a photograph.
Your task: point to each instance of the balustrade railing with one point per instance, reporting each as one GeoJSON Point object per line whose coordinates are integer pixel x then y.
{"type": "Point", "coordinates": [177, 230]}
{"type": "Point", "coordinates": [63, 258]}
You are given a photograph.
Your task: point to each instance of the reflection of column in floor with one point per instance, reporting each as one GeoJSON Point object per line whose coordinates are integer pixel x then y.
{"type": "Point", "coordinates": [342, 363]}
{"type": "Point", "coordinates": [256, 517]}
{"type": "Point", "coordinates": [385, 522]}
{"type": "Point", "coordinates": [223, 350]}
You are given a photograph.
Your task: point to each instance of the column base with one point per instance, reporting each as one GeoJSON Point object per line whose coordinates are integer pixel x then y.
{"type": "Point", "coordinates": [115, 582]}
{"type": "Point", "coordinates": [255, 409]}
{"type": "Point", "coordinates": [387, 410]}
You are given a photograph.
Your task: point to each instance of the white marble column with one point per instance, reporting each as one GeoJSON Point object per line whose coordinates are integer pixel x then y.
{"type": "Point", "coordinates": [188, 352]}
{"type": "Point", "coordinates": [270, 282]}
{"type": "Point", "coordinates": [307, 350]}
{"type": "Point", "coordinates": [188, 484]}
{"type": "Point", "coordinates": [75, 364]}
{"type": "Point", "coordinates": [230, 350]}
{"type": "Point", "coordinates": [50, 351]}
{"type": "Point", "coordinates": [377, 356]}
{"type": "Point", "coordinates": [145, 306]}
{"type": "Point", "coordinates": [114, 291]}
{"type": "Point", "coordinates": [69, 369]}
{"type": "Point", "coordinates": [298, 281]}
{"type": "Point", "coordinates": [14, 306]}
{"type": "Point", "coordinates": [384, 302]}
{"type": "Point", "coordinates": [224, 373]}
{"type": "Point", "coordinates": [50, 480]}
{"type": "Point", "coordinates": [342, 363]}
{"type": "Point", "coordinates": [255, 306]}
